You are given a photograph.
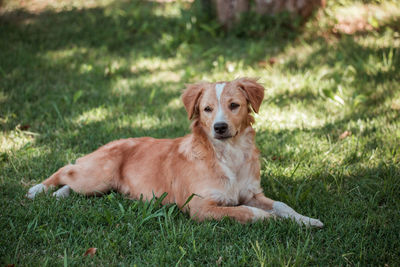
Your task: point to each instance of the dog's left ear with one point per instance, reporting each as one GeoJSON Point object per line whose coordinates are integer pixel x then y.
{"type": "Point", "coordinates": [191, 97]}
{"type": "Point", "coordinates": [253, 91]}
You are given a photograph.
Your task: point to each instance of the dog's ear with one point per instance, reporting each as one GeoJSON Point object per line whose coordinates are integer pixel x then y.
{"type": "Point", "coordinates": [191, 97]}
{"type": "Point", "coordinates": [253, 91]}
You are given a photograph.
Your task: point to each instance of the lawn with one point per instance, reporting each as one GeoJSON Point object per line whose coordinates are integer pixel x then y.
{"type": "Point", "coordinates": [75, 75]}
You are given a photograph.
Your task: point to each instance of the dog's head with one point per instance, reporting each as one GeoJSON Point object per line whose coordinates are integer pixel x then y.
{"type": "Point", "coordinates": [223, 109]}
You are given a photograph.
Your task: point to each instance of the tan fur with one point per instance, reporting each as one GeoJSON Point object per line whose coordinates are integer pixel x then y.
{"type": "Point", "coordinates": [224, 174]}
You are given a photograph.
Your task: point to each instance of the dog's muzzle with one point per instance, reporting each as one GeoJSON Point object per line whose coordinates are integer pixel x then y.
{"type": "Point", "coordinates": [221, 130]}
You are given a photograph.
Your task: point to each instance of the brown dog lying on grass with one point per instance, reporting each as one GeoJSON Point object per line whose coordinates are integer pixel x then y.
{"type": "Point", "coordinates": [218, 161]}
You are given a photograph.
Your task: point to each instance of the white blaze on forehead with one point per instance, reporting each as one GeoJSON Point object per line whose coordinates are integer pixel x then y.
{"type": "Point", "coordinates": [219, 87]}
{"type": "Point", "coordinates": [220, 117]}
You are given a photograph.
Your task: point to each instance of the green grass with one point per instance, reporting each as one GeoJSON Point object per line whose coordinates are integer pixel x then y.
{"type": "Point", "coordinates": [75, 76]}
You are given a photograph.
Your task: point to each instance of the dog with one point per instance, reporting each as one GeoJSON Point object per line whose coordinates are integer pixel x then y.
{"type": "Point", "coordinates": [217, 164]}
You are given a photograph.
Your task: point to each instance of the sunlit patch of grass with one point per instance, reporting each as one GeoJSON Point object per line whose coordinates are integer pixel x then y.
{"type": "Point", "coordinates": [15, 140]}
{"type": "Point", "coordinates": [93, 115]}
{"type": "Point", "coordinates": [64, 54]}
{"type": "Point", "coordinates": [171, 10]}
{"type": "Point", "coordinates": [289, 118]}
{"type": "Point", "coordinates": [145, 72]}
{"type": "Point", "coordinates": [175, 103]}
{"type": "Point", "coordinates": [145, 121]}
{"type": "Point", "coordinates": [154, 64]}
{"type": "Point", "coordinates": [164, 77]}
{"type": "Point", "coordinates": [389, 39]}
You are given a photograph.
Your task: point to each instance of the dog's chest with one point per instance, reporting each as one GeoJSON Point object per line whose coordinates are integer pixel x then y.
{"type": "Point", "coordinates": [237, 176]}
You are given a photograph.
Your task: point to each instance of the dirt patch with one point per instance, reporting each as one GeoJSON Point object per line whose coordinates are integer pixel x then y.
{"type": "Point", "coordinates": [364, 18]}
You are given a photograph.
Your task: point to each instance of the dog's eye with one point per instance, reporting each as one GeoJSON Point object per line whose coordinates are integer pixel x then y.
{"type": "Point", "coordinates": [208, 109]}
{"type": "Point", "coordinates": [233, 106]}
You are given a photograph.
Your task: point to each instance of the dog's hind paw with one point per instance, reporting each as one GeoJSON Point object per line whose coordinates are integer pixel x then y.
{"type": "Point", "coordinates": [62, 192]}
{"type": "Point", "coordinates": [307, 221]}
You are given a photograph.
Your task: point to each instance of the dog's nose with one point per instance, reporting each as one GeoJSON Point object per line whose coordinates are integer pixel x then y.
{"type": "Point", "coordinates": [220, 127]}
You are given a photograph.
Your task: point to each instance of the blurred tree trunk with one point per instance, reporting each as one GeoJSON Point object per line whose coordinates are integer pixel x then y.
{"type": "Point", "coordinates": [228, 11]}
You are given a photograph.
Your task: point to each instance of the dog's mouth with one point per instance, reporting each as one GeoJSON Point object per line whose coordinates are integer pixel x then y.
{"type": "Point", "coordinates": [224, 136]}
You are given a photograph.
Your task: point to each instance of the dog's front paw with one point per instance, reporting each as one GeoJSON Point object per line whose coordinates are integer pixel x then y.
{"type": "Point", "coordinates": [284, 211]}
{"type": "Point", "coordinates": [259, 214]}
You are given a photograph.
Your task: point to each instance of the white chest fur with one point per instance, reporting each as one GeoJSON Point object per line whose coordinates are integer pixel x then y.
{"type": "Point", "coordinates": [235, 161]}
